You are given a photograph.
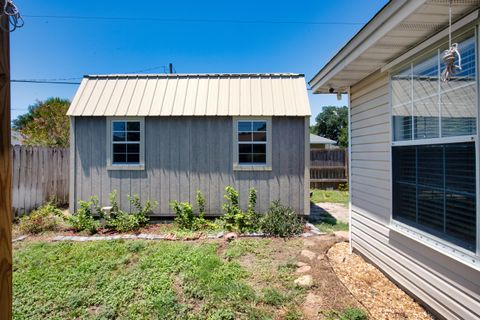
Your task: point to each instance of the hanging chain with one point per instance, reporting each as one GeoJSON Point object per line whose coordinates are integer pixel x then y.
{"type": "Point", "coordinates": [15, 20]}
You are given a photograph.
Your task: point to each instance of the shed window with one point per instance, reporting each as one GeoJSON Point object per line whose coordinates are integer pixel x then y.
{"type": "Point", "coordinates": [252, 142]}
{"type": "Point", "coordinates": [434, 147]}
{"type": "Point", "coordinates": [125, 143]}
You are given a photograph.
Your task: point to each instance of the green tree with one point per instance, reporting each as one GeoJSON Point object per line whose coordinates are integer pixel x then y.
{"type": "Point", "coordinates": [45, 124]}
{"type": "Point", "coordinates": [332, 123]}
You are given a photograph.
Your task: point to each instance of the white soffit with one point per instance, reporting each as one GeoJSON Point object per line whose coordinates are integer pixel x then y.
{"type": "Point", "coordinates": [397, 28]}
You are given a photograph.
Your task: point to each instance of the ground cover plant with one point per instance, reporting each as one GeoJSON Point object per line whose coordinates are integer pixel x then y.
{"type": "Point", "coordinates": [145, 280]}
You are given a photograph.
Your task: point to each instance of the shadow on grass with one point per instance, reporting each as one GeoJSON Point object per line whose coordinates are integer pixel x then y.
{"type": "Point", "coordinates": [324, 221]}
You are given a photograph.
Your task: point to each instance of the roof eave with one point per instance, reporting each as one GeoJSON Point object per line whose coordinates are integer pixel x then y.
{"type": "Point", "coordinates": [385, 20]}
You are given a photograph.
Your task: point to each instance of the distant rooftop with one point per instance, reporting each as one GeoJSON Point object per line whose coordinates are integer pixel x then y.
{"type": "Point", "coordinates": [216, 94]}
{"type": "Point", "coordinates": [320, 140]}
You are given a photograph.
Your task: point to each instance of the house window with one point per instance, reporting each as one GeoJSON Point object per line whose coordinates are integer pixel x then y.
{"type": "Point", "coordinates": [125, 143]}
{"type": "Point", "coordinates": [434, 148]}
{"type": "Point", "coordinates": [252, 137]}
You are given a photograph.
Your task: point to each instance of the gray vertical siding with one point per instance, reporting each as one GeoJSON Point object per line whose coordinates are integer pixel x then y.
{"type": "Point", "coordinates": [183, 154]}
{"type": "Point", "coordinates": [448, 287]}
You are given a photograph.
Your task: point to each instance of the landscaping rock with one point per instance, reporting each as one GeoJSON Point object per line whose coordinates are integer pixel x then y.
{"type": "Point", "coordinates": [19, 238]}
{"type": "Point", "coordinates": [303, 269]}
{"type": "Point", "coordinates": [301, 264]}
{"type": "Point", "coordinates": [342, 235]}
{"type": "Point", "coordinates": [321, 256]}
{"type": "Point", "coordinates": [308, 254]}
{"type": "Point", "coordinates": [312, 306]}
{"type": "Point", "coordinates": [314, 229]}
{"type": "Point", "coordinates": [305, 281]}
{"type": "Point", "coordinates": [230, 236]}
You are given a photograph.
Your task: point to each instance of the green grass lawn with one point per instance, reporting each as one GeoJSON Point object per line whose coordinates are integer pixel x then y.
{"type": "Point", "coordinates": [146, 280]}
{"type": "Point", "coordinates": [334, 196]}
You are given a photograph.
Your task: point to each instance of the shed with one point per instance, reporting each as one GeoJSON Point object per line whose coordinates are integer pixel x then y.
{"type": "Point", "coordinates": [414, 150]}
{"type": "Point", "coordinates": [319, 142]}
{"type": "Point", "coordinates": [164, 137]}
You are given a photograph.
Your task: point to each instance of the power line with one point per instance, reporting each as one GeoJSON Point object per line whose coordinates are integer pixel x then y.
{"type": "Point", "coordinates": [42, 81]}
{"type": "Point", "coordinates": [190, 20]}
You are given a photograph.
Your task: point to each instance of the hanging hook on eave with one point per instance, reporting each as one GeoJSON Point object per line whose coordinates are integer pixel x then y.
{"type": "Point", "coordinates": [448, 56]}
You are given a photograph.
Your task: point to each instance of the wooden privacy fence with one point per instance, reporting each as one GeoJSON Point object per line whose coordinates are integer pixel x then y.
{"type": "Point", "coordinates": [328, 168]}
{"type": "Point", "coordinates": [39, 174]}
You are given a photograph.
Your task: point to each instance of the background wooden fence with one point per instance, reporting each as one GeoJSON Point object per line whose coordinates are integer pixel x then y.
{"type": "Point", "coordinates": [39, 174]}
{"type": "Point", "coordinates": [328, 168]}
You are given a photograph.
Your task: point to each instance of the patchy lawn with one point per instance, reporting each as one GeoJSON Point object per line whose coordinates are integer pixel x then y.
{"type": "Point", "coordinates": [243, 279]}
{"type": "Point", "coordinates": [333, 196]}
{"type": "Point", "coordinates": [332, 226]}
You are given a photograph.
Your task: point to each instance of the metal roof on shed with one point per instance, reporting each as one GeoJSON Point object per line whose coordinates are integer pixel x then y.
{"type": "Point", "coordinates": [191, 95]}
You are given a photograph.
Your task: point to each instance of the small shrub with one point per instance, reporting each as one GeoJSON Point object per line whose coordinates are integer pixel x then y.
{"type": "Point", "coordinates": [122, 221]}
{"type": "Point", "coordinates": [201, 204]}
{"type": "Point", "coordinates": [343, 187]}
{"type": "Point", "coordinates": [281, 221]}
{"type": "Point", "coordinates": [142, 213]}
{"type": "Point", "coordinates": [83, 219]}
{"type": "Point", "coordinates": [45, 218]}
{"type": "Point", "coordinates": [234, 218]}
{"type": "Point", "coordinates": [184, 214]}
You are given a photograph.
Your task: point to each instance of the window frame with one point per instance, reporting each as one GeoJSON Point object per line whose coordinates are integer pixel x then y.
{"type": "Point", "coordinates": [125, 166]}
{"type": "Point", "coordinates": [436, 243]}
{"type": "Point", "coordinates": [252, 167]}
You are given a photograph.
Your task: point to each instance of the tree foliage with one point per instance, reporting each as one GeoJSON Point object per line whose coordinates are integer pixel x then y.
{"type": "Point", "coordinates": [45, 124]}
{"type": "Point", "coordinates": [332, 123]}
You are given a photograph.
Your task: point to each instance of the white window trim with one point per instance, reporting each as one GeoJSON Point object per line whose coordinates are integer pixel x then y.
{"type": "Point", "coordinates": [442, 246]}
{"type": "Point", "coordinates": [253, 167]}
{"type": "Point", "coordinates": [112, 166]}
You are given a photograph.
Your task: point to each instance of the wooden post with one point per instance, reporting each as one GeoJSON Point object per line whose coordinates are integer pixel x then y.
{"type": "Point", "coordinates": [5, 175]}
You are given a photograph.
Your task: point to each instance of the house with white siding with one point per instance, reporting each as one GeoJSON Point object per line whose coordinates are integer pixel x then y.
{"type": "Point", "coordinates": [165, 136]}
{"type": "Point", "coordinates": [414, 148]}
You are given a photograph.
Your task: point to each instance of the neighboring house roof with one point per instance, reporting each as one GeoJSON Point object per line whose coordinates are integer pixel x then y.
{"type": "Point", "coordinates": [398, 27]}
{"type": "Point", "coordinates": [320, 140]}
{"type": "Point", "coordinates": [192, 95]}
{"type": "Point", "coordinates": [16, 138]}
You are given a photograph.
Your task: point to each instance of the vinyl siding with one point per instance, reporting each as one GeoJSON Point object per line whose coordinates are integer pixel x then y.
{"type": "Point", "coordinates": [450, 288]}
{"type": "Point", "coordinates": [183, 154]}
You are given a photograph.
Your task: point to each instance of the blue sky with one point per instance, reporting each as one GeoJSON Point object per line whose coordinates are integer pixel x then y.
{"type": "Point", "coordinates": [64, 48]}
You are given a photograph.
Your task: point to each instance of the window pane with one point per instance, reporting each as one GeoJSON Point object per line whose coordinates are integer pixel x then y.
{"type": "Point", "coordinates": [244, 136]}
{"type": "Point", "coordinates": [402, 122]}
{"type": "Point", "coordinates": [133, 148]}
{"type": "Point", "coordinates": [259, 148]}
{"type": "Point", "coordinates": [458, 99]}
{"type": "Point", "coordinates": [259, 136]}
{"type": "Point", "coordinates": [259, 126]}
{"type": "Point", "coordinates": [133, 126]}
{"type": "Point", "coordinates": [460, 166]}
{"type": "Point", "coordinates": [245, 158]}
{"type": "Point", "coordinates": [119, 136]}
{"type": "Point", "coordinates": [133, 136]}
{"type": "Point", "coordinates": [430, 165]}
{"type": "Point", "coordinates": [402, 87]}
{"type": "Point", "coordinates": [133, 158]}
{"type": "Point", "coordinates": [434, 189]}
{"type": "Point", "coordinates": [259, 158]}
{"type": "Point", "coordinates": [425, 77]}
{"type": "Point", "coordinates": [244, 126]}
{"type": "Point", "coordinates": [119, 158]}
{"type": "Point", "coordinates": [119, 148]}
{"type": "Point", "coordinates": [244, 148]}
{"type": "Point", "coordinates": [118, 126]}
{"type": "Point", "coordinates": [426, 115]}
{"type": "Point", "coordinates": [404, 202]}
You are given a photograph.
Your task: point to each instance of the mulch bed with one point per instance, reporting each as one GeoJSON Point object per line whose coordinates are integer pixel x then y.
{"type": "Point", "coordinates": [381, 297]}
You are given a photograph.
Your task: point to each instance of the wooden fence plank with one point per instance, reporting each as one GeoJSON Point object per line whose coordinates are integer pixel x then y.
{"type": "Point", "coordinates": [328, 168]}
{"type": "Point", "coordinates": [39, 174]}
